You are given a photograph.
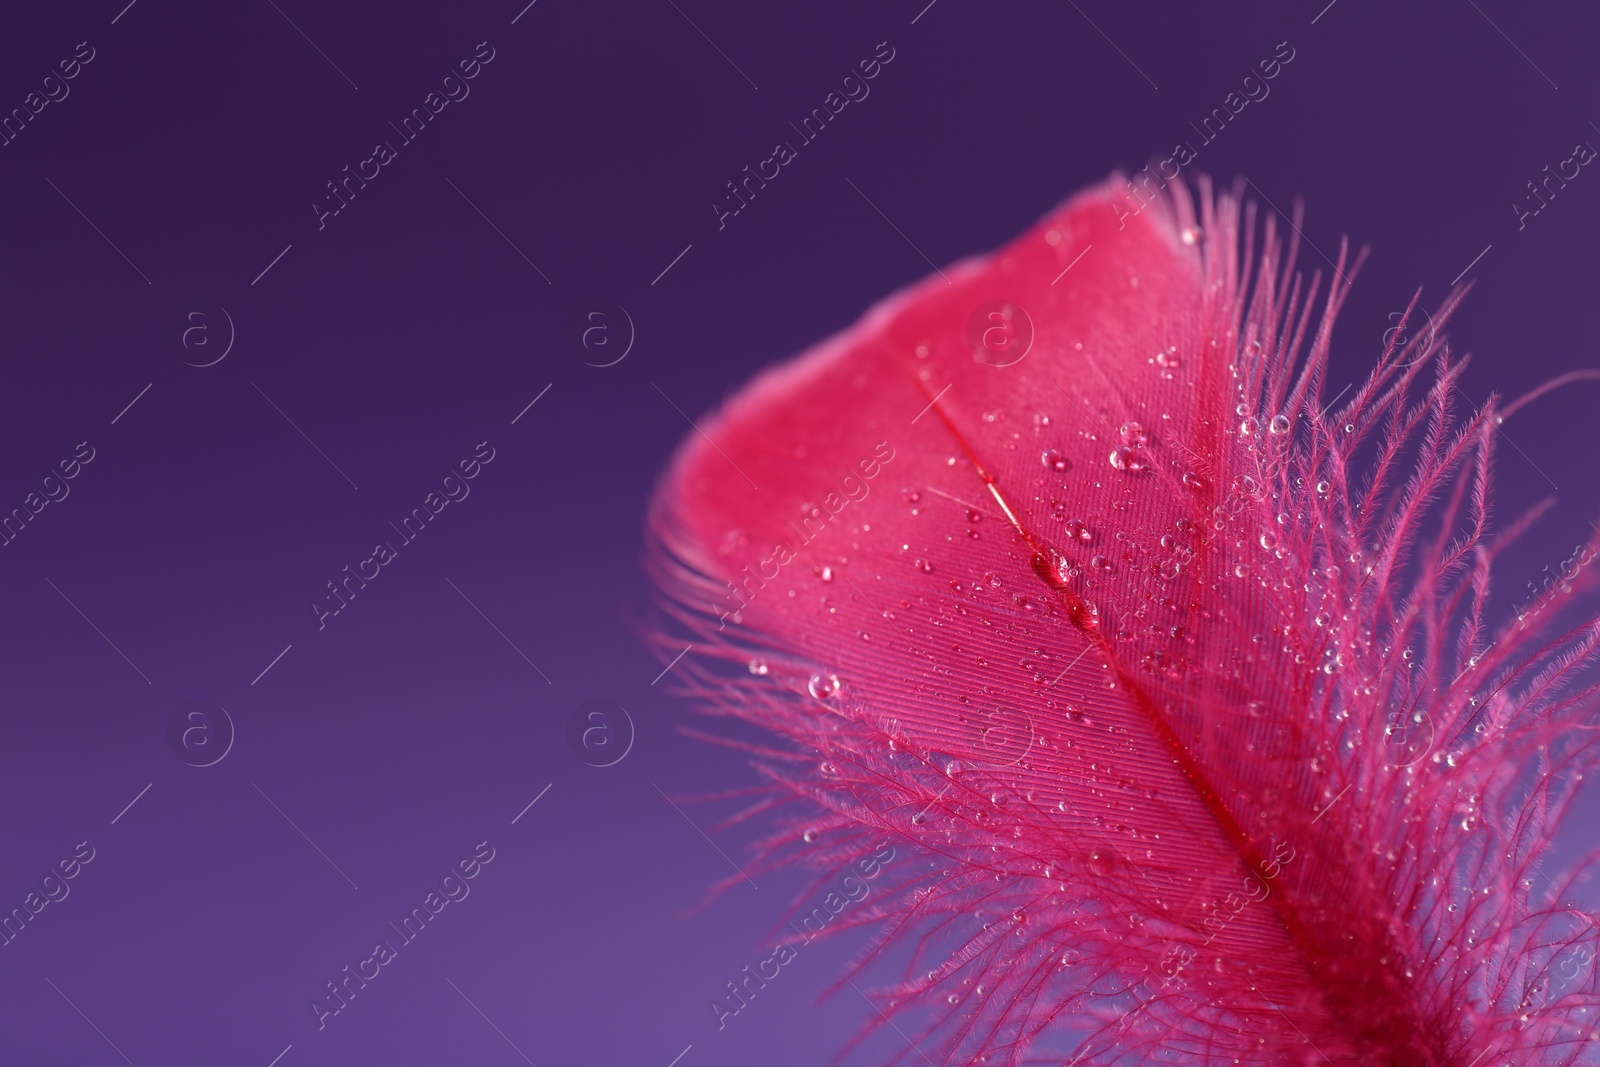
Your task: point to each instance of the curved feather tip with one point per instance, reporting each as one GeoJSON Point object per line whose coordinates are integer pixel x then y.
{"type": "Point", "coordinates": [1182, 688]}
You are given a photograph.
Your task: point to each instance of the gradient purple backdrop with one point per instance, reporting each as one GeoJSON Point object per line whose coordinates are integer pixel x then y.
{"type": "Point", "coordinates": [188, 154]}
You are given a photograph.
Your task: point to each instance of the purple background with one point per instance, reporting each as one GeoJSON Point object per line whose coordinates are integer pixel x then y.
{"type": "Point", "coordinates": [408, 330]}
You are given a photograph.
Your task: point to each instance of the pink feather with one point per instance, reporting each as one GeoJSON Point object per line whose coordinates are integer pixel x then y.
{"type": "Point", "coordinates": [1184, 688]}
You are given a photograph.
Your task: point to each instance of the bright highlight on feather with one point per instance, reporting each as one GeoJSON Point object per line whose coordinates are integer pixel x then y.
{"type": "Point", "coordinates": [1185, 691]}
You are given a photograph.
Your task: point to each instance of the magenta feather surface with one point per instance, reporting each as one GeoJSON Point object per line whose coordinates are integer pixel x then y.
{"type": "Point", "coordinates": [1184, 695]}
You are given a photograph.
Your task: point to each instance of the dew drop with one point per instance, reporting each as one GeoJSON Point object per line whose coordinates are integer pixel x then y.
{"type": "Point", "coordinates": [823, 686]}
{"type": "Point", "coordinates": [1055, 461]}
{"type": "Point", "coordinates": [1279, 424]}
{"type": "Point", "coordinates": [1058, 566]}
{"type": "Point", "coordinates": [1133, 434]}
{"type": "Point", "coordinates": [759, 667]}
{"type": "Point", "coordinates": [1127, 459]}
{"type": "Point", "coordinates": [1248, 426]}
{"type": "Point", "coordinates": [924, 566]}
{"type": "Point", "coordinates": [1193, 481]}
{"type": "Point", "coordinates": [826, 574]}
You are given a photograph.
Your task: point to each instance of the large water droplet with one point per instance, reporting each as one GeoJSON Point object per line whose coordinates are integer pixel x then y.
{"type": "Point", "coordinates": [1102, 861]}
{"type": "Point", "coordinates": [1279, 424]}
{"type": "Point", "coordinates": [1127, 459]}
{"type": "Point", "coordinates": [1058, 566]}
{"type": "Point", "coordinates": [1133, 434]}
{"type": "Point", "coordinates": [759, 667]}
{"type": "Point", "coordinates": [823, 686]}
{"type": "Point", "coordinates": [1055, 460]}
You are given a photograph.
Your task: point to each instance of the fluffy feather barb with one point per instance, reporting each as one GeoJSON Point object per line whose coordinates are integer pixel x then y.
{"type": "Point", "coordinates": [1183, 685]}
